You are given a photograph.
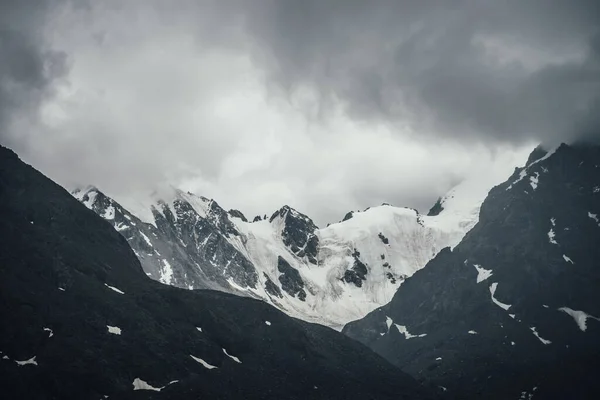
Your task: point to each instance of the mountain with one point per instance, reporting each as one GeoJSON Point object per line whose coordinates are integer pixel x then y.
{"type": "Point", "coordinates": [80, 319]}
{"type": "Point", "coordinates": [329, 275]}
{"type": "Point", "coordinates": [513, 310]}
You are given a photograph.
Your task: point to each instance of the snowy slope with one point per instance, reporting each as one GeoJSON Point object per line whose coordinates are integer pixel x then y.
{"type": "Point", "coordinates": [330, 276]}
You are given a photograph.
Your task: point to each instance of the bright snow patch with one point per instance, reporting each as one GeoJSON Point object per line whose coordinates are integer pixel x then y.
{"type": "Point", "coordinates": [199, 329]}
{"type": "Point", "coordinates": [594, 217]}
{"type": "Point", "coordinates": [234, 358]}
{"type": "Point", "coordinates": [438, 359]}
{"type": "Point", "coordinates": [551, 236]}
{"type": "Point", "coordinates": [493, 288]}
{"type": "Point", "coordinates": [109, 213]}
{"type": "Point", "coordinates": [268, 323]}
{"type": "Point", "coordinates": [482, 273]}
{"type": "Point", "coordinates": [204, 363]}
{"type": "Point", "coordinates": [146, 239]}
{"type": "Point", "coordinates": [596, 189]}
{"type": "Point", "coordinates": [545, 305]}
{"type": "Point", "coordinates": [139, 384]}
{"type": "Point", "coordinates": [31, 361]}
{"type": "Point", "coordinates": [553, 221]}
{"type": "Point", "coordinates": [533, 180]}
{"type": "Point", "coordinates": [402, 329]}
{"type": "Point", "coordinates": [567, 259]}
{"type": "Point", "coordinates": [120, 227]}
{"type": "Point", "coordinates": [114, 288]}
{"type": "Point", "coordinates": [544, 341]}
{"type": "Point", "coordinates": [512, 316]}
{"type": "Point", "coordinates": [61, 289]}
{"type": "Point", "coordinates": [472, 332]}
{"type": "Point", "coordinates": [114, 330]}
{"type": "Point", "coordinates": [580, 317]}
{"type": "Point", "coordinates": [166, 273]}
{"type": "Point", "coordinates": [512, 343]}
{"type": "Point", "coordinates": [50, 333]}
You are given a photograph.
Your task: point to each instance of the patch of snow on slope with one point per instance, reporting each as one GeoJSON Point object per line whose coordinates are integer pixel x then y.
{"type": "Point", "coordinates": [567, 259]}
{"type": "Point", "coordinates": [109, 213]}
{"type": "Point", "coordinates": [482, 273]}
{"type": "Point", "coordinates": [403, 330]}
{"type": "Point", "coordinates": [533, 180]}
{"type": "Point", "coordinates": [114, 289]}
{"type": "Point", "coordinates": [139, 384]}
{"type": "Point", "coordinates": [31, 361]}
{"type": "Point", "coordinates": [268, 323]}
{"type": "Point", "coordinates": [537, 335]}
{"type": "Point", "coordinates": [146, 238]}
{"type": "Point", "coordinates": [199, 329]}
{"type": "Point", "coordinates": [234, 358]}
{"type": "Point", "coordinates": [50, 332]}
{"type": "Point", "coordinates": [166, 273]}
{"type": "Point", "coordinates": [493, 288]}
{"type": "Point", "coordinates": [580, 317]}
{"type": "Point", "coordinates": [472, 333]}
{"type": "Point", "coordinates": [594, 217]}
{"type": "Point", "coordinates": [204, 363]}
{"type": "Point", "coordinates": [523, 172]}
{"type": "Point", "coordinates": [551, 236]}
{"type": "Point", "coordinates": [115, 330]}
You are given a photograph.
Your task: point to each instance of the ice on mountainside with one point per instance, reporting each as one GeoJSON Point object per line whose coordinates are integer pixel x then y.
{"type": "Point", "coordinates": [330, 275]}
{"type": "Point", "coordinates": [204, 363]}
{"type": "Point", "coordinates": [114, 289]}
{"type": "Point", "coordinates": [580, 317]}
{"type": "Point", "coordinates": [115, 330]}
{"type": "Point", "coordinates": [493, 288]}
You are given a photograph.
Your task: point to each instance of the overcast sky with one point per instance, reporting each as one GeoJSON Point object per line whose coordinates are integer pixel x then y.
{"type": "Point", "coordinates": [324, 105]}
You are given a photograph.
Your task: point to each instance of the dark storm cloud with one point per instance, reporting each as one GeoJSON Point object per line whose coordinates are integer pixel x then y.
{"type": "Point", "coordinates": [503, 70]}
{"type": "Point", "coordinates": [27, 67]}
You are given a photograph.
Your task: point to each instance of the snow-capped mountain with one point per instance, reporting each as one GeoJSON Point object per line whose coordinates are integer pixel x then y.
{"type": "Point", "coordinates": [329, 275]}
{"type": "Point", "coordinates": [80, 320]}
{"type": "Point", "coordinates": [512, 311]}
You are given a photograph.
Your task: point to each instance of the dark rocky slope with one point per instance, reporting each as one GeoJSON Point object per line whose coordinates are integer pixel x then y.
{"type": "Point", "coordinates": [68, 279]}
{"type": "Point", "coordinates": [511, 311]}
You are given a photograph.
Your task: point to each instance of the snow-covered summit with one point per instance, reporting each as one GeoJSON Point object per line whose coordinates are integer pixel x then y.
{"type": "Point", "coordinates": [329, 275]}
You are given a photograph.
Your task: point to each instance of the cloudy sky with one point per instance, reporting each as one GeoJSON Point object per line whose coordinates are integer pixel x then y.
{"type": "Point", "coordinates": [326, 105]}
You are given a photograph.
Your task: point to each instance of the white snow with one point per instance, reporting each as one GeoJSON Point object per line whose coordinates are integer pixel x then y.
{"type": "Point", "coordinates": [50, 332]}
{"type": "Point", "coordinates": [567, 259]}
{"type": "Point", "coordinates": [268, 323]}
{"type": "Point", "coordinates": [31, 361]}
{"type": "Point", "coordinates": [146, 238]}
{"type": "Point", "coordinates": [545, 305]}
{"type": "Point", "coordinates": [199, 329]}
{"type": "Point", "coordinates": [482, 273]}
{"type": "Point", "coordinates": [512, 343]}
{"type": "Point", "coordinates": [472, 332]}
{"type": "Point", "coordinates": [544, 341]}
{"type": "Point", "coordinates": [402, 329]}
{"type": "Point", "coordinates": [493, 288]}
{"type": "Point", "coordinates": [114, 289]}
{"type": "Point", "coordinates": [120, 227]}
{"type": "Point", "coordinates": [596, 189]}
{"type": "Point", "coordinates": [594, 217]}
{"type": "Point", "coordinates": [115, 330]}
{"type": "Point", "coordinates": [523, 172]}
{"type": "Point", "coordinates": [438, 359]}
{"type": "Point", "coordinates": [553, 221]}
{"type": "Point", "coordinates": [234, 358]}
{"type": "Point", "coordinates": [580, 317]}
{"type": "Point", "coordinates": [204, 363]}
{"type": "Point", "coordinates": [513, 316]}
{"type": "Point", "coordinates": [551, 236]}
{"type": "Point", "coordinates": [533, 180]}
{"type": "Point", "coordinates": [139, 384]}
{"type": "Point", "coordinates": [61, 289]}
{"type": "Point", "coordinates": [166, 273]}
{"type": "Point", "coordinates": [109, 213]}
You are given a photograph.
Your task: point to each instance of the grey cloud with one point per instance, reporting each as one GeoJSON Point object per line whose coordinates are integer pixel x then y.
{"type": "Point", "coordinates": [421, 62]}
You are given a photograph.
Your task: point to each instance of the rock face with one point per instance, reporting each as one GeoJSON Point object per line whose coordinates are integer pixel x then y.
{"type": "Point", "coordinates": [81, 320]}
{"type": "Point", "coordinates": [336, 274]}
{"type": "Point", "coordinates": [512, 311]}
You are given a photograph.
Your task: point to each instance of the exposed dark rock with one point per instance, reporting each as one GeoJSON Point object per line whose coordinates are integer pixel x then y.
{"type": "Point", "coordinates": [436, 209]}
{"type": "Point", "coordinates": [383, 238]}
{"type": "Point", "coordinates": [290, 279]}
{"type": "Point", "coordinates": [383, 256]}
{"type": "Point", "coordinates": [358, 273]}
{"type": "Point", "coordinates": [348, 216]}
{"type": "Point", "coordinates": [298, 233]}
{"type": "Point", "coordinates": [237, 214]}
{"type": "Point", "coordinates": [56, 258]}
{"type": "Point", "coordinates": [536, 238]}
{"type": "Point", "coordinates": [271, 287]}
{"type": "Point", "coordinates": [257, 218]}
